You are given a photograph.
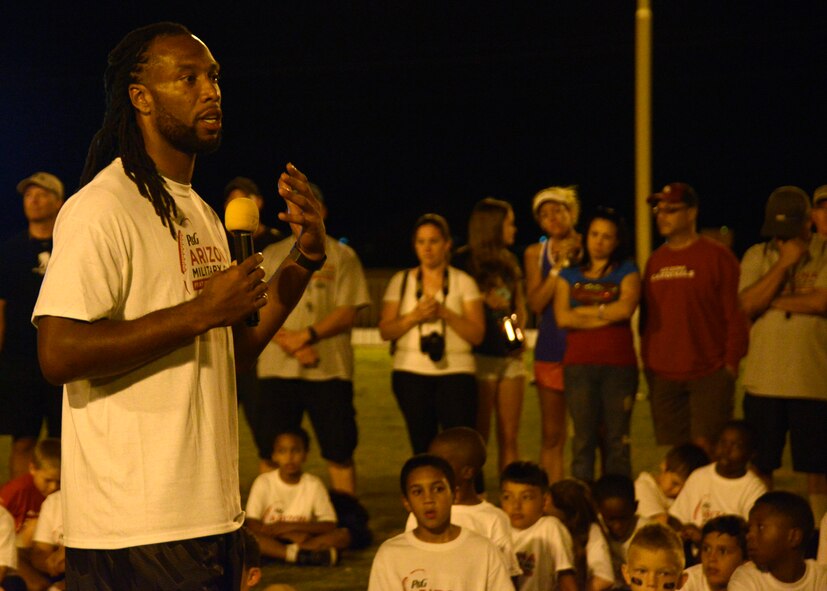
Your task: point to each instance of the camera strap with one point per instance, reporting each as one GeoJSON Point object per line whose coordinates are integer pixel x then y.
{"type": "Point", "coordinates": [419, 293]}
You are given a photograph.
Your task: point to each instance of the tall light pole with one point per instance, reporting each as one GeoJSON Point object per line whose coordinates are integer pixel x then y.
{"type": "Point", "coordinates": [643, 130]}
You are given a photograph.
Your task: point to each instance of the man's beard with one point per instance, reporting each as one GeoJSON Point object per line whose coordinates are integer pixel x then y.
{"type": "Point", "coordinates": [185, 138]}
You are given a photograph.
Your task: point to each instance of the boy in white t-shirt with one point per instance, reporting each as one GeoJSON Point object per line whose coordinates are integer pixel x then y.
{"type": "Point", "coordinates": [780, 525]}
{"type": "Point", "coordinates": [726, 486]}
{"type": "Point", "coordinates": [48, 554]}
{"type": "Point", "coordinates": [655, 493]}
{"type": "Point", "coordinates": [464, 449]}
{"type": "Point", "coordinates": [542, 542]}
{"type": "Point", "coordinates": [614, 496]}
{"type": "Point", "coordinates": [655, 559]}
{"type": "Point", "coordinates": [723, 549]}
{"type": "Point", "coordinates": [436, 554]}
{"type": "Point", "coordinates": [290, 512]}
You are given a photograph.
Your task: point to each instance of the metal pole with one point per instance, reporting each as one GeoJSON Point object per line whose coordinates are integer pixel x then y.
{"type": "Point", "coordinates": [643, 130]}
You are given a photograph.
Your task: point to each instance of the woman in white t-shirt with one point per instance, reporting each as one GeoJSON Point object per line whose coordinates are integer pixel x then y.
{"type": "Point", "coordinates": [433, 315]}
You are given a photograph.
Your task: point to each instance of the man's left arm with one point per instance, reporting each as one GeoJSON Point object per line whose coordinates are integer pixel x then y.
{"type": "Point", "coordinates": [288, 283]}
{"type": "Point", "coordinates": [811, 302]}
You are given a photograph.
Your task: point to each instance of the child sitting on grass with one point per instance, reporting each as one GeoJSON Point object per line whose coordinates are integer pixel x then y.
{"type": "Point", "coordinates": [655, 559]}
{"type": "Point", "coordinates": [723, 549]}
{"type": "Point", "coordinates": [780, 526]}
{"type": "Point", "coordinates": [571, 503]}
{"type": "Point", "coordinates": [542, 542]}
{"type": "Point", "coordinates": [289, 511]}
{"type": "Point", "coordinates": [464, 449]}
{"type": "Point", "coordinates": [655, 493]}
{"type": "Point", "coordinates": [436, 554]}
{"type": "Point", "coordinates": [614, 496]}
{"type": "Point", "coordinates": [725, 487]}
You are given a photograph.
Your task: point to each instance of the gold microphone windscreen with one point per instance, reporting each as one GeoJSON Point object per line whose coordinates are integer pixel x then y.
{"type": "Point", "coordinates": [241, 214]}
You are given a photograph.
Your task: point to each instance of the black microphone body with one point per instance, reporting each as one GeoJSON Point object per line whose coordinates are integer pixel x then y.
{"type": "Point", "coordinates": [243, 248]}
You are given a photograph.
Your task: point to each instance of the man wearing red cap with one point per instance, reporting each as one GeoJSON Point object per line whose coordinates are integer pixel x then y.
{"type": "Point", "coordinates": [693, 333]}
{"type": "Point", "coordinates": [27, 398]}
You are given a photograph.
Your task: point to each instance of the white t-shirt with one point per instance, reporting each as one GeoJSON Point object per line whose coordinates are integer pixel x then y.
{"type": "Point", "coordinates": [271, 499]}
{"type": "Point", "coordinates": [706, 495]}
{"type": "Point", "coordinates": [487, 520]}
{"type": "Point", "coordinates": [650, 498]}
{"type": "Point", "coordinates": [151, 455]}
{"type": "Point", "coordinates": [598, 555]}
{"type": "Point", "coordinates": [468, 563]}
{"type": "Point", "coordinates": [695, 579]}
{"type": "Point", "coordinates": [49, 528]}
{"type": "Point", "coordinates": [747, 577]}
{"type": "Point", "coordinates": [543, 549]}
{"type": "Point", "coordinates": [822, 541]}
{"type": "Point", "coordinates": [409, 357]}
{"type": "Point", "coordinates": [8, 548]}
{"type": "Point", "coordinates": [341, 282]}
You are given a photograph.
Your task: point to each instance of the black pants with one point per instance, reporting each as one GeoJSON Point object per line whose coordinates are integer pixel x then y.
{"type": "Point", "coordinates": [212, 563]}
{"type": "Point", "coordinates": [430, 402]}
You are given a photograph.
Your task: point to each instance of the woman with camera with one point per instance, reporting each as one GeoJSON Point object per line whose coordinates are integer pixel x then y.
{"type": "Point", "coordinates": [433, 315]}
{"type": "Point", "coordinates": [594, 301]}
{"type": "Point", "coordinates": [500, 368]}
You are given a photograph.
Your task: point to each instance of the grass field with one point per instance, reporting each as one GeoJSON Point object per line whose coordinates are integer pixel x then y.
{"type": "Point", "coordinates": [383, 448]}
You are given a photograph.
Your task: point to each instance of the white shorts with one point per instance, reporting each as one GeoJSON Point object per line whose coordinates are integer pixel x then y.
{"type": "Point", "coordinates": [494, 369]}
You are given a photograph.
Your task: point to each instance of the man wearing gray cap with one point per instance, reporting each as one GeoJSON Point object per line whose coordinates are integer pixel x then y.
{"type": "Point", "coordinates": [783, 290]}
{"type": "Point", "coordinates": [26, 397]}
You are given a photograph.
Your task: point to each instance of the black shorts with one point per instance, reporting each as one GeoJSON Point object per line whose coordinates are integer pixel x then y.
{"type": "Point", "coordinates": [213, 563]}
{"type": "Point", "coordinates": [329, 404]}
{"type": "Point", "coordinates": [27, 399]}
{"type": "Point", "coordinates": [805, 420]}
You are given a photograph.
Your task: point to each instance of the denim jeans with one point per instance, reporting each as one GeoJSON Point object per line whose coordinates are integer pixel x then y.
{"type": "Point", "coordinates": [600, 395]}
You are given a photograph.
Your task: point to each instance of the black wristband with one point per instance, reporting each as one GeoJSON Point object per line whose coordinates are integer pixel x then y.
{"type": "Point", "coordinates": [302, 261]}
{"type": "Point", "coordinates": [314, 336]}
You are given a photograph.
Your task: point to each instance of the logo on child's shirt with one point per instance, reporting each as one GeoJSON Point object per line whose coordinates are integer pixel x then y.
{"type": "Point", "coordinates": [527, 562]}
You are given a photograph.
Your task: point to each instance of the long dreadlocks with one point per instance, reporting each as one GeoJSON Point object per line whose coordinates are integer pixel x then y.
{"type": "Point", "coordinates": [119, 135]}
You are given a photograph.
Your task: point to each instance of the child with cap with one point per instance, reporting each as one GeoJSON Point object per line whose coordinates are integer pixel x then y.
{"type": "Point", "coordinates": [780, 526]}
{"type": "Point", "coordinates": [436, 554]}
{"type": "Point", "coordinates": [655, 493]}
{"type": "Point", "coordinates": [542, 542]}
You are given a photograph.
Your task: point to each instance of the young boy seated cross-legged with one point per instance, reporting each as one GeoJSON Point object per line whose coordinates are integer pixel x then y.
{"type": "Point", "coordinates": [436, 554]}
{"type": "Point", "coordinates": [464, 449]}
{"type": "Point", "coordinates": [542, 542]}
{"type": "Point", "coordinates": [289, 511]}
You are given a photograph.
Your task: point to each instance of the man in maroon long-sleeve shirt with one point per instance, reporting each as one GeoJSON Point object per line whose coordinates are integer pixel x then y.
{"type": "Point", "coordinates": [693, 332]}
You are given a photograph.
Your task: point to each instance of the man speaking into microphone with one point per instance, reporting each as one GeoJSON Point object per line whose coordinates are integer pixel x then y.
{"type": "Point", "coordinates": [142, 317]}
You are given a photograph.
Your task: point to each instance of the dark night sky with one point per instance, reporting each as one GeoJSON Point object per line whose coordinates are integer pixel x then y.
{"type": "Point", "coordinates": [398, 108]}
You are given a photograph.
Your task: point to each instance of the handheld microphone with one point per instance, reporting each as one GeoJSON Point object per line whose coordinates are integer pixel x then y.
{"type": "Point", "coordinates": [241, 220]}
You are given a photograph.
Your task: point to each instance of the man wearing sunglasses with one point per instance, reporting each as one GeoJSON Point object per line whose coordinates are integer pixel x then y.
{"type": "Point", "coordinates": [693, 333]}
